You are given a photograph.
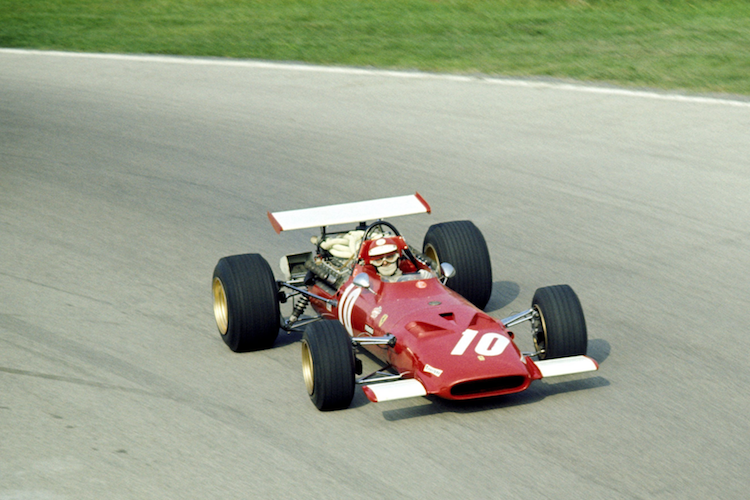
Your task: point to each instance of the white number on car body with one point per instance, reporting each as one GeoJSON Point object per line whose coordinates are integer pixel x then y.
{"type": "Point", "coordinates": [489, 344]}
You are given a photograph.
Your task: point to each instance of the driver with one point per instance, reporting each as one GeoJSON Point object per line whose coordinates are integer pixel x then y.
{"type": "Point", "coordinates": [384, 255]}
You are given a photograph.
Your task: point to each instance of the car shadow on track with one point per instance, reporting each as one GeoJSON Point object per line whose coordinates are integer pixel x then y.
{"type": "Point", "coordinates": [538, 391]}
{"type": "Point", "coordinates": [503, 294]}
{"type": "Point", "coordinates": [287, 338]}
{"type": "Point", "coordinates": [598, 349]}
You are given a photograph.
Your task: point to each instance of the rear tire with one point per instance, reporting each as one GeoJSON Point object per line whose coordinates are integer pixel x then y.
{"type": "Point", "coordinates": [246, 305]}
{"type": "Point", "coordinates": [462, 244]}
{"type": "Point", "coordinates": [328, 365]}
{"type": "Point", "coordinates": [560, 329]}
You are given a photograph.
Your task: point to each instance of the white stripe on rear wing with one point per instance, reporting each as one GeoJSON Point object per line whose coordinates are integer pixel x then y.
{"type": "Point", "coordinates": [346, 213]}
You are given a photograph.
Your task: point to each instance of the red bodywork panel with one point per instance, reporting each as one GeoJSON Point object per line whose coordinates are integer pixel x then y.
{"type": "Point", "coordinates": [454, 349]}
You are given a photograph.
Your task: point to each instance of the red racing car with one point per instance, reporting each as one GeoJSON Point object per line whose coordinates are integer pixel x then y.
{"type": "Point", "coordinates": [418, 311]}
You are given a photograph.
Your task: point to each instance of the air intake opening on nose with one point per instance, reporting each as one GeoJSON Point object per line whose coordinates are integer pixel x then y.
{"type": "Point", "coordinates": [487, 385]}
{"type": "Point", "coordinates": [448, 316]}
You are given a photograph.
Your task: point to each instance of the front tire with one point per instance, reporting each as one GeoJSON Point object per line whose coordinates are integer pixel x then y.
{"type": "Point", "coordinates": [462, 244]}
{"type": "Point", "coordinates": [560, 327]}
{"type": "Point", "coordinates": [328, 365]}
{"type": "Point", "coordinates": [246, 305]}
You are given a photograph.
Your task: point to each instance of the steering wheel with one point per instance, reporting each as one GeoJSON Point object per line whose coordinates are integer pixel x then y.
{"type": "Point", "coordinates": [379, 223]}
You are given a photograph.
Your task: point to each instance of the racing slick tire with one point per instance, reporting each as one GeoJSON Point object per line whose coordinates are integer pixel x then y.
{"type": "Point", "coordinates": [462, 244]}
{"type": "Point", "coordinates": [246, 305]}
{"type": "Point", "coordinates": [560, 329]}
{"type": "Point", "coordinates": [328, 365]}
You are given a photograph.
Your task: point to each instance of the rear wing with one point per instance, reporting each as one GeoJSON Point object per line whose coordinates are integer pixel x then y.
{"type": "Point", "coordinates": [345, 213]}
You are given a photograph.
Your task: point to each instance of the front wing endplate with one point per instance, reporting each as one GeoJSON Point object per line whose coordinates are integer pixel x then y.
{"type": "Point", "coordinates": [398, 389]}
{"type": "Point", "coordinates": [566, 366]}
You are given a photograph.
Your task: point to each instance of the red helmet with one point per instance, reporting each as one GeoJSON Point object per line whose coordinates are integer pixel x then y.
{"type": "Point", "coordinates": [379, 250]}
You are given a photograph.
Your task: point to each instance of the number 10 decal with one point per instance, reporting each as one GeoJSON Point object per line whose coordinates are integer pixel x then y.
{"type": "Point", "coordinates": [490, 344]}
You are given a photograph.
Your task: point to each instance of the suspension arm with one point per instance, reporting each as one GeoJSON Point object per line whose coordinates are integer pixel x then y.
{"type": "Point", "coordinates": [527, 315]}
{"type": "Point", "coordinates": [304, 292]}
{"type": "Point", "coordinates": [387, 339]}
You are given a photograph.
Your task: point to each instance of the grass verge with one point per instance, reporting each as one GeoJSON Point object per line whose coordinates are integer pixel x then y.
{"type": "Point", "coordinates": [701, 45]}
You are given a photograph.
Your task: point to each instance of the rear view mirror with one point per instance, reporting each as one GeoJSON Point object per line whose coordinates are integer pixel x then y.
{"type": "Point", "coordinates": [448, 270]}
{"type": "Point", "coordinates": [362, 280]}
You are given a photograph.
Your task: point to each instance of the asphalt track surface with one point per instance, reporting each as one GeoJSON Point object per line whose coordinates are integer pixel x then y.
{"type": "Point", "coordinates": [123, 181]}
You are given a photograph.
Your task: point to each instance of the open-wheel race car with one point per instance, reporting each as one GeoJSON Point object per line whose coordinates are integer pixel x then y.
{"type": "Point", "coordinates": [419, 312]}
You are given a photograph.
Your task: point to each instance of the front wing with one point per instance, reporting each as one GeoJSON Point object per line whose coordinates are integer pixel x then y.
{"type": "Point", "coordinates": [411, 388]}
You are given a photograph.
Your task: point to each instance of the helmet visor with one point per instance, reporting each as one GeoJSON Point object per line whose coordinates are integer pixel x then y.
{"type": "Point", "coordinates": [387, 258]}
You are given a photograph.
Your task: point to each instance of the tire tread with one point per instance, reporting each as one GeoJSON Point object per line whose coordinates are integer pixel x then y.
{"type": "Point", "coordinates": [252, 301]}
{"type": "Point", "coordinates": [564, 319]}
{"type": "Point", "coordinates": [333, 365]}
{"type": "Point", "coordinates": [462, 244]}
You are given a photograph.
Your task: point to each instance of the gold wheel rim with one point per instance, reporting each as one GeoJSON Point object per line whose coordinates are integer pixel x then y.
{"type": "Point", "coordinates": [541, 334]}
{"type": "Point", "coordinates": [430, 252]}
{"type": "Point", "coordinates": [308, 371]}
{"type": "Point", "coordinates": [221, 310]}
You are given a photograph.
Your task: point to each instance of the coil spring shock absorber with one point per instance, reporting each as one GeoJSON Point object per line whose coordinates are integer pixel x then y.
{"type": "Point", "coordinates": [299, 308]}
